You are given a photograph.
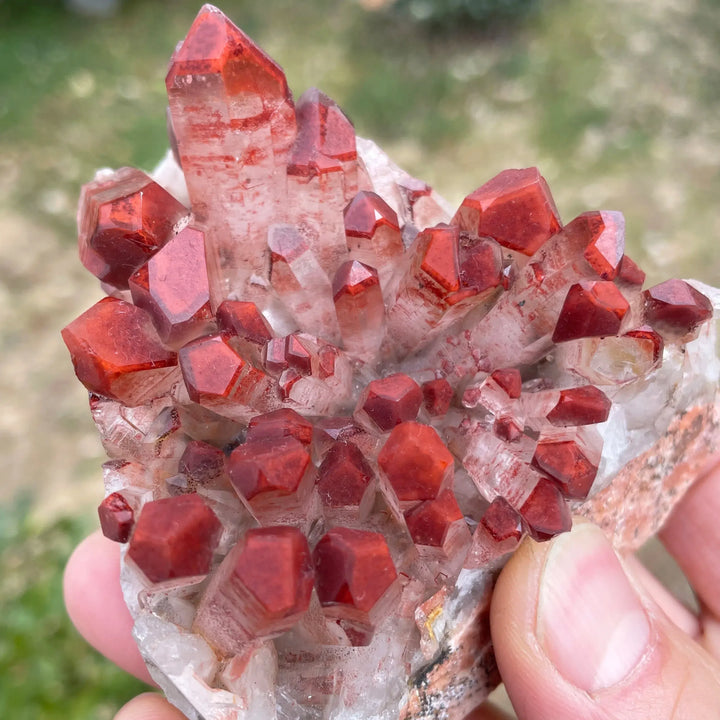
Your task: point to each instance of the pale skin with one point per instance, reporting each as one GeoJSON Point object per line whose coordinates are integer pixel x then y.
{"type": "Point", "coordinates": [578, 633]}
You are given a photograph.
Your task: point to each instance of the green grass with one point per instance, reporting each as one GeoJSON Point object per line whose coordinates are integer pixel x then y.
{"type": "Point", "coordinates": [47, 669]}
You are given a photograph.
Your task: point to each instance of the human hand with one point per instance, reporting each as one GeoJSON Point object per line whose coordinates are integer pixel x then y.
{"type": "Point", "coordinates": [577, 633]}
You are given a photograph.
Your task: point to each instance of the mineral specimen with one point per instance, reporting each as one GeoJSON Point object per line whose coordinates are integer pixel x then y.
{"type": "Point", "coordinates": [333, 408]}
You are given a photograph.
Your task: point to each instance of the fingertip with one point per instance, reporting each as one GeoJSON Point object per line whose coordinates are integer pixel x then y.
{"type": "Point", "coordinates": [149, 706]}
{"type": "Point", "coordinates": [94, 602]}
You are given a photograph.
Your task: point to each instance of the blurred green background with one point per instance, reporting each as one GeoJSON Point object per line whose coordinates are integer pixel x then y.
{"type": "Point", "coordinates": [616, 102]}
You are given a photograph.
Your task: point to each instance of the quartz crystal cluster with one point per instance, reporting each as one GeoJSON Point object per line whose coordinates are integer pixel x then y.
{"type": "Point", "coordinates": [333, 406]}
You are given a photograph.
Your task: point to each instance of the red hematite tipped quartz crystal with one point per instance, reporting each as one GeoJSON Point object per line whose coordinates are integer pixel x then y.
{"type": "Point", "coordinates": [333, 407]}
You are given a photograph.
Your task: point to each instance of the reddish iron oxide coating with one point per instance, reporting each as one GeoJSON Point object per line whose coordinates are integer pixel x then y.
{"type": "Point", "coordinates": [202, 462]}
{"type": "Point", "coordinates": [275, 465]}
{"type": "Point", "coordinates": [481, 263]}
{"type": "Point", "coordinates": [677, 305]}
{"type": "Point", "coordinates": [580, 406]}
{"type": "Point", "coordinates": [123, 223]}
{"type": "Point", "coordinates": [365, 213]}
{"type": "Point", "coordinates": [392, 400]}
{"type": "Point", "coordinates": [215, 49]}
{"type": "Point", "coordinates": [275, 361]}
{"type": "Point", "coordinates": [326, 138]}
{"type": "Point", "coordinates": [352, 567]}
{"type": "Point", "coordinates": [280, 424]}
{"type": "Point", "coordinates": [275, 566]}
{"type": "Point", "coordinates": [591, 309]}
{"type": "Point", "coordinates": [102, 359]}
{"type": "Point", "coordinates": [244, 320]}
{"type": "Point", "coordinates": [437, 396]}
{"type": "Point", "coordinates": [116, 518]}
{"type": "Point", "coordinates": [438, 249]}
{"type": "Point", "coordinates": [416, 462]}
{"type": "Point", "coordinates": [429, 522]}
{"type": "Point", "coordinates": [515, 208]}
{"type": "Point", "coordinates": [175, 538]}
{"type": "Point", "coordinates": [506, 428]}
{"type": "Point", "coordinates": [647, 334]}
{"type": "Point", "coordinates": [502, 521]}
{"type": "Point", "coordinates": [630, 273]}
{"type": "Point", "coordinates": [545, 512]}
{"type": "Point", "coordinates": [173, 288]}
{"type": "Point", "coordinates": [605, 249]}
{"type": "Point", "coordinates": [566, 463]}
{"type": "Point", "coordinates": [213, 370]}
{"type": "Point", "coordinates": [297, 355]}
{"type": "Point", "coordinates": [510, 380]}
{"type": "Point", "coordinates": [343, 476]}
{"type": "Point", "coordinates": [354, 278]}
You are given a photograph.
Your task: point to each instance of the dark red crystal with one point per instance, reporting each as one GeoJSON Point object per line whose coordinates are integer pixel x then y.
{"type": "Point", "coordinates": [502, 521]}
{"type": "Point", "coordinates": [116, 517]}
{"type": "Point", "coordinates": [437, 396]}
{"type": "Point", "coordinates": [392, 400]}
{"type": "Point", "coordinates": [510, 380]}
{"type": "Point", "coordinates": [344, 475]}
{"type": "Point", "coordinates": [280, 424]}
{"type": "Point", "coordinates": [270, 465]}
{"type": "Point", "coordinates": [515, 208]}
{"type": "Point", "coordinates": [353, 568]}
{"type": "Point", "coordinates": [565, 462]}
{"type": "Point", "coordinates": [429, 522]}
{"type": "Point", "coordinates": [677, 305]}
{"type": "Point", "coordinates": [416, 462]}
{"type": "Point", "coordinates": [545, 511]}
{"type": "Point", "coordinates": [202, 462]}
{"type": "Point", "coordinates": [175, 538]}
{"type": "Point", "coordinates": [591, 309]}
{"type": "Point", "coordinates": [244, 320]}
{"type": "Point", "coordinates": [580, 406]}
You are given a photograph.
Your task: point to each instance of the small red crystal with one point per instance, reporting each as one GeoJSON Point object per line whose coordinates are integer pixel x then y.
{"type": "Point", "coordinates": [392, 400]}
{"type": "Point", "coordinates": [591, 309]}
{"type": "Point", "coordinates": [275, 566]}
{"type": "Point", "coordinates": [501, 520]}
{"type": "Point", "coordinates": [430, 521]}
{"type": "Point", "coordinates": [565, 462]}
{"type": "Point", "coordinates": [280, 424]}
{"type": "Point", "coordinates": [677, 305]}
{"type": "Point", "coordinates": [244, 320]}
{"type": "Point", "coordinates": [364, 214]}
{"type": "Point", "coordinates": [580, 406]}
{"type": "Point", "coordinates": [297, 355]}
{"type": "Point", "coordinates": [325, 136]}
{"type": "Point", "coordinates": [545, 511]}
{"type": "Point", "coordinates": [439, 257]}
{"type": "Point", "coordinates": [175, 538]}
{"type": "Point", "coordinates": [353, 568]}
{"type": "Point", "coordinates": [646, 334]}
{"type": "Point", "coordinates": [416, 462]}
{"type": "Point", "coordinates": [112, 344]}
{"type": "Point", "coordinates": [123, 222]}
{"type": "Point", "coordinates": [173, 288]}
{"type": "Point", "coordinates": [515, 208]}
{"type": "Point", "coordinates": [630, 273]}
{"type": "Point", "coordinates": [202, 462]}
{"type": "Point", "coordinates": [260, 590]}
{"type": "Point", "coordinates": [343, 476]}
{"type": "Point", "coordinates": [604, 251]}
{"type": "Point", "coordinates": [116, 517]}
{"type": "Point", "coordinates": [276, 465]}
{"type": "Point", "coordinates": [437, 396]}
{"type": "Point", "coordinates": [510, 380]}
{"type": "Point", "coordinates": [506, 428]}
{"type": "Point", "coordinates": [481, 263]}
{"type": "Point", "coordinates": [213, 371]}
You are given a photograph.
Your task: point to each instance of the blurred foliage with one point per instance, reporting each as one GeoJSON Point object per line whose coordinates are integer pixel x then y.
{"type": "Point", "coordinates": [456, 14]}
{"type": "Point", "coordinates": [47, 669]}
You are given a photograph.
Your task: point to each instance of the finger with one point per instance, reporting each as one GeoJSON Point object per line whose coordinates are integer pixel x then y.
{"type": "Point", "coordinates": [95, 603]}
{"type": "Point", "coordinates": [680, 616]}
{"type": "Point", "coordinates": [149, 707]}
{"type": "Point", "coordinates": [692, 536]}
{"type": "Point", "coordinates": [488, 711]}
{"type": "Point", "coordinates": [574, 638]}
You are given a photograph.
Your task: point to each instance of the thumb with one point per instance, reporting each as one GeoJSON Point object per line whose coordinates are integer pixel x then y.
{"type": "Point", "coordinates": [575, 639]}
